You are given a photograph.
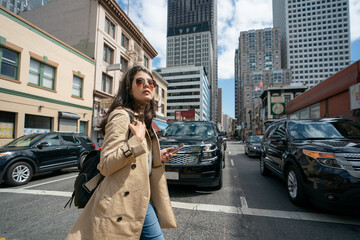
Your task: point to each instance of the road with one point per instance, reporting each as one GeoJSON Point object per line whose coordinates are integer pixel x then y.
{"type": "Point", "coordinates": [249, 206]}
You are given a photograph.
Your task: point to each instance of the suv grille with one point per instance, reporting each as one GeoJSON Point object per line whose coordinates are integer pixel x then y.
{"type": "Point", "coordinates": [351, 162]}
{"type": "Point", "coordinates": [188, 155]}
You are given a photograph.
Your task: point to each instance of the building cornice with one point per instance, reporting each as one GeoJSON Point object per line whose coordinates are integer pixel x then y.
{"type": "Point", "coordinates": [114, 7]}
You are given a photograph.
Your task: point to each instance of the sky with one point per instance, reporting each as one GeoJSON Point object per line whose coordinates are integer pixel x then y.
{"type": "Point", "coordinates": [234, 16]}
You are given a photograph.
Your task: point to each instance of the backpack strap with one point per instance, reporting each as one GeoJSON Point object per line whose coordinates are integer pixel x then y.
{"type": "Point", "coordinates": [131, 117]}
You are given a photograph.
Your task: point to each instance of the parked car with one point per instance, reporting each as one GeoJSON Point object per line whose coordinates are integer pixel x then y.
{"type": "Point", "coordinates": [42, 152]}
{"type": "Point", "coordinates": [202, 160]}
{"type": "Point", "coordinates": [318, 159]}
{"type": "Point", "coordinates": [252, 145]}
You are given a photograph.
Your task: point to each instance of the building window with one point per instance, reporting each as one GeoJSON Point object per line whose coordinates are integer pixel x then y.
{"type": "Point", "coordinates": [109, 27]}
{"type": "Point", "coordinates": [162, 108]}
{"type": "Point", "coordinates": [36, 124]}
{"type": "Point", "coordinates": [163, 93]}
{"type": "Point", "coordinates": [124, 41]}
{"type": "Point", "coordinates": [41, 74]}
{"type": "Point", "coordinates": [77, 86]}
{"type": "Point", "coordinates": [9, 63]}
{"type": "Point", "coordinates": [146, 62]}
{"type": "Point", "coordinates": [108, 55]}
{"type": "Point", "coordinates": [7, 125]}
{"type": "Point", "coordinates": [123, 64]}
{"type": "Point", "coordinates": [106, 83]}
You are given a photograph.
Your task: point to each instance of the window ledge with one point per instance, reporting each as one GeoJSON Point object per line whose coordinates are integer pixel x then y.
{"type": "Point", "coordinates": [80, 98]}
{"type": "Point", "coordinates": [47, 89]}
{"type": "Point", "coordinates": [10, 79]}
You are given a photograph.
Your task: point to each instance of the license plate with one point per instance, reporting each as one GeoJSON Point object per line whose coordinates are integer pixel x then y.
{"type": "Point", "coordinates": [172, 175]}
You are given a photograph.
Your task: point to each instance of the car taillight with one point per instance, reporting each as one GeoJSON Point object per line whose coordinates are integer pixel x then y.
{"type": "Point", "coordinates": [93, 145]}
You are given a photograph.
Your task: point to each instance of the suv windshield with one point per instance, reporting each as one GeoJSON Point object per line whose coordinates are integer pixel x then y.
{"type": "Point", "coordinates": [189, 129]}
{"type": "Point", "coordinates": [255, 139]}
{"type": "Point", "coordinates": [23, 141]}
{"type": "Point", "coordinates": [324, 130]}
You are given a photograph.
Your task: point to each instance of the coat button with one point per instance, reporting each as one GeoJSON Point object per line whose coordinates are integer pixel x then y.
{"type": "Point", "coordinates": [126, 193]}
{"type": "Point", "coordinates": [119, 219]}
{"type": "Point", "coordinates": [133, 166]}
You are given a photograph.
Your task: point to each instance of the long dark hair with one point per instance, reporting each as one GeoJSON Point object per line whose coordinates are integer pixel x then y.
{"type": "Point", "coordinates": [124, 98]}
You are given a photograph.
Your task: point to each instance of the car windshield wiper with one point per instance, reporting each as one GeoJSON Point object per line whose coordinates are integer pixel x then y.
{"type": "Point", "coordinates": [353, 137]}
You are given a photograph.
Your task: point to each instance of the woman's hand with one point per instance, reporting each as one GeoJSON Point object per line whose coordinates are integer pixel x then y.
{"type": "Point", "coordinates": [166, 154]}
{"type": "Point", "coordinates": [138, 129]}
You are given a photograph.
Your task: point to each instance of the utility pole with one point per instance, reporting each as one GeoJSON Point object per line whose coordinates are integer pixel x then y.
{"type": "Point", "coordinates": [128, 7]}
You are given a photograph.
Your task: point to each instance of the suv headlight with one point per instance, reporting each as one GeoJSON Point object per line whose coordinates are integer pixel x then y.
{"type": "Point", "coordinates": [209, 151]}
{"type": "Point", "coordinates": [3, 154]}
{"type": "Point", "coordinates": [324, 158]}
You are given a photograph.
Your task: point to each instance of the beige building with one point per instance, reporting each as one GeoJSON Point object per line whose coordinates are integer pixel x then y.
{"type": "Point", "coordinates": [45, 85]}
{"type": "Point", "coordinates": [160, 100]}
{"type": "Point", "coordinates": [101, 30]}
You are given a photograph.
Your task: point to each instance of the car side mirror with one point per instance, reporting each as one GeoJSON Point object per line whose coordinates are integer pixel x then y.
{"type": "Point", "coordinates": [43, 144]}
{"type": "Point", "coordinates": [222, 133]}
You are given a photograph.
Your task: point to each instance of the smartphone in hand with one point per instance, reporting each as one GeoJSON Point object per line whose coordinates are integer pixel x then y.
{"type": "Point", "coordinates": [177, 148]}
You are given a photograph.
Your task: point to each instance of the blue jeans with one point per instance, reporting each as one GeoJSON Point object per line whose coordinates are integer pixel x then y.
{"type": "Point", "coordinates": [151, 228]}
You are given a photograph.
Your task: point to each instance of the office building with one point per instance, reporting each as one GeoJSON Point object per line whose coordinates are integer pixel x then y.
{"type": "Point", "coordinates": [315, 37]}
{"type": "Point", "coordinates": [192, 39]}
{"type": "Point", "coordinates": [257, 66]}
{"type": "Point", "coordinates": [188, 89]}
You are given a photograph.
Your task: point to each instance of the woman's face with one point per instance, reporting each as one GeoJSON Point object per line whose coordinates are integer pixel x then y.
{"type": "Point", "coordinates": [143, 87]}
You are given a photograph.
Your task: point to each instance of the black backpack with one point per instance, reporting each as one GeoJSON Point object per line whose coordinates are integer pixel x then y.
{"type": "Point", "coordinates": [88, 179]}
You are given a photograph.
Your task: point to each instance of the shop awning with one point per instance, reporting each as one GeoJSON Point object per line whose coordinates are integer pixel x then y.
{"type": "Point", "coordinates": [158, 126]}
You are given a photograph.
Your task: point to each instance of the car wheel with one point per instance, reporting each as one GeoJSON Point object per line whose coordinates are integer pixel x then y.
{"type": "Point", "coordinates": [263, 169]}
{"type": "Point", "coordinates": [224, 159]}
{"type": "Point", "coordinates": [220, 184]}
{"type": "Point", "coordinates": [295, 187]}
{"type": "Point", "coordinates": [18, 174]}
{"type": "Point", "coordinates": [81, 161]}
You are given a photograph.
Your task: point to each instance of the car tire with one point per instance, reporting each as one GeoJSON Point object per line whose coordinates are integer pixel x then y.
{"type": "Point", "coordinates": [81, 161]}
{"type": "Point", "coordinates": [263, 169]}
{"type": "Point", "coordinates": [295, 188]}
{"type": "Point", "coordinates": [223, 159]}
{"type": "Point", "coordinates": [19, 173]}
{"type": "Point", "coordinates": [220, 184]}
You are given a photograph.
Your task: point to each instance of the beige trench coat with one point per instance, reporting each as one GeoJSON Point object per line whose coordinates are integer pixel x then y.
{"type": "Point", "coordinates": [118, 206]}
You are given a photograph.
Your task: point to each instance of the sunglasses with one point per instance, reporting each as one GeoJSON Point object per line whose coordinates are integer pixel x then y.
{"type": "Point", "coordinates": [150, 82]}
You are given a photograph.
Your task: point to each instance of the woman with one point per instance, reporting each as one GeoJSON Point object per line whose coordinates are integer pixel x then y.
{"type": "Point", "coordinates": [122, 207]}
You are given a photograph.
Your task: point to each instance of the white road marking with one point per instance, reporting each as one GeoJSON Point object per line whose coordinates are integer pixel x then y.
{"type": "Point", "coordinates": [243, 210]}
{"type": "Point", "coordinates": [37, 192]}
{"type": "Point", "coordinates": [44, 183]}
{"type": "Point", "coordinates": [232, 163]}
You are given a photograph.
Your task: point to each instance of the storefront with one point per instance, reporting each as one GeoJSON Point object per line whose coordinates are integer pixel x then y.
{"type": "Point", "coordinates": [331, 98]}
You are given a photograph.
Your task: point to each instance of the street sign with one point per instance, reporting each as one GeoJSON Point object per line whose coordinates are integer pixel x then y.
{"type": "Point", "coordinates": [354, 96]}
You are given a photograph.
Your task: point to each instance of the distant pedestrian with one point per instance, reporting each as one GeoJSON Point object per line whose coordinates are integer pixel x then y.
{"type": "Point", "coordinates": [132, 202]}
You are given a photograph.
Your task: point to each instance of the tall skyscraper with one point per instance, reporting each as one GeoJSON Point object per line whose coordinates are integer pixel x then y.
{"type": "Point", "coordinates": [192, 39]}
{"type": "Point", "coordinates": [315, 37]}
{"type": "Point", "coordinates": [257, 66]}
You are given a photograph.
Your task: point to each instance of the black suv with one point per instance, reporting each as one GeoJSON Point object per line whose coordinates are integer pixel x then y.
{"type": "Point", "coordinates": [202, 159]}
{"type": "Point", "coordinates": [42, 152]}
{"type": "Point", "coordinates": [318, 159]}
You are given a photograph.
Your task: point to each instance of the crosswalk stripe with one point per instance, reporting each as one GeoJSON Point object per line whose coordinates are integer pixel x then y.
{"type": "Point", "coordinates": [243, 210]}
